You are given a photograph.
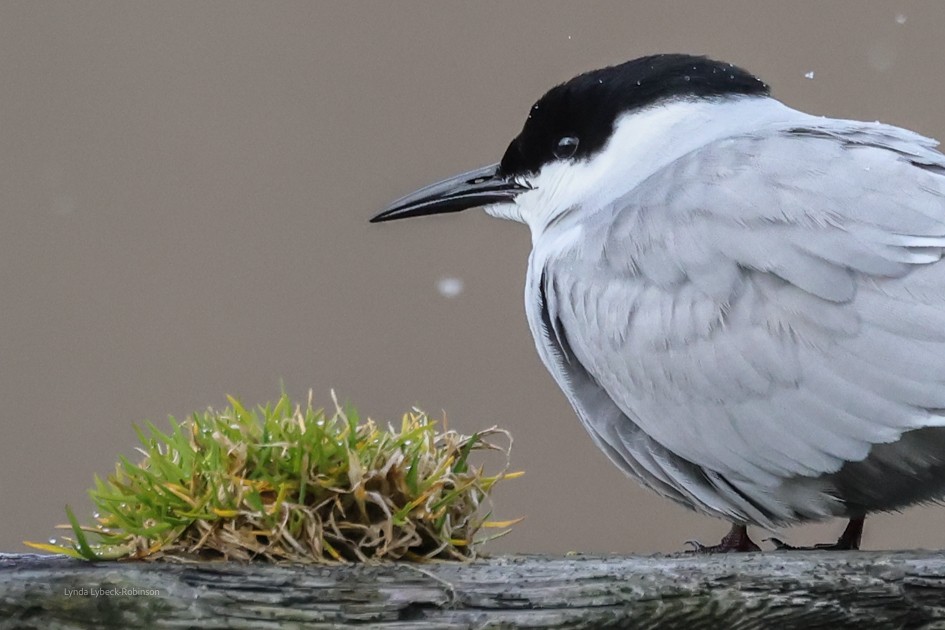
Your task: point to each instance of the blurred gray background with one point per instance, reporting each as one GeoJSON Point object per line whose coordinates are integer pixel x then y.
{"type": "Point", "coordinates": [184, 195]}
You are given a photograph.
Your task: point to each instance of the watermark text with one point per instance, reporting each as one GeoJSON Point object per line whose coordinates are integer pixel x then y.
{"type": "Point", "coordinates": [113, 591]}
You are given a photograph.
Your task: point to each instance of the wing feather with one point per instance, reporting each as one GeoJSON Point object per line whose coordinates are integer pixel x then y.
{"type": "Point", "coordinates": [769, 306]}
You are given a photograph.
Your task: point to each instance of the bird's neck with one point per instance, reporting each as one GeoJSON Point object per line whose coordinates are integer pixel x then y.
{"type": "Point", "coordinates": [643, 142]}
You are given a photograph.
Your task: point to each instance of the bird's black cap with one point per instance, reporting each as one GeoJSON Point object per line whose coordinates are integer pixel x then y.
{"type": "Point", "coordinates": [586, 107]}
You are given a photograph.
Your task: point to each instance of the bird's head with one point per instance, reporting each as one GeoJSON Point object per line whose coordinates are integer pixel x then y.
{"type": "Point", "coordinates": [585, 138]}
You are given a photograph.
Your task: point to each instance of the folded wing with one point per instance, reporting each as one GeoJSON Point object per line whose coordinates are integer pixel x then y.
{"type": "Point", "coordinates": [767, 307]}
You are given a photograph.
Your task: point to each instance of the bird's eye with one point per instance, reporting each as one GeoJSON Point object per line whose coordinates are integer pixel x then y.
{"type": "Point", "coordinates": [566, 147]}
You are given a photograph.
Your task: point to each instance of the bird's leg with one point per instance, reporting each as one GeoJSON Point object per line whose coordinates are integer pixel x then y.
{"type": "Point", "coordinates": [849, 540]}
{"type": "Point", "coordinates": [851, 536]}
{"type": "Point", "coordinates": [736, 540]}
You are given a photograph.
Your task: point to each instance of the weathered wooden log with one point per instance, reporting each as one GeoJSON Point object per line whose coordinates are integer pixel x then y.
{"type": "Point", "coordinates": [764, 590]}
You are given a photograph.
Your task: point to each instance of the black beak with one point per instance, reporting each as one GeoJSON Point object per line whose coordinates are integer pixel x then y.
{"type": "Point", "coordinates": [480, 187]}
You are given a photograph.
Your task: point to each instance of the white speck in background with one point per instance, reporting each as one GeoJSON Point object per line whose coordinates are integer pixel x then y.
{"type": "Point", "coordinates": [900, 18]}
{"type": "Point", "coordinates": [809, 75]}
{"type": "Point", "coordinates": [449, 286]}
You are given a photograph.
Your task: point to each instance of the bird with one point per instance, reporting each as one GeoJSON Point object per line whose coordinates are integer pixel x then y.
{"type": "Point", "coordinates": [743, 303]}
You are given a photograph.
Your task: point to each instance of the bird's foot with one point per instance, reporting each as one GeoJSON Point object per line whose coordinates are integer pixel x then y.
{"type": "Point", "coordinates": [849, 540]}
{"type": "Point", "coordinates": [735, 541]}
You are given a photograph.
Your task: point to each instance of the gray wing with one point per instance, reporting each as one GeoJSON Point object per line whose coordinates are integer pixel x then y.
{"type": "Point", "coordinates": [766, 307]}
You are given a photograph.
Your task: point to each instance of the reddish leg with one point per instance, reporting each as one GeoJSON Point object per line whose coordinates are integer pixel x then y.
{"type": "Point", "coordinates": [736, 540]}
{"type": "Point", "coordinates": [849, 540]}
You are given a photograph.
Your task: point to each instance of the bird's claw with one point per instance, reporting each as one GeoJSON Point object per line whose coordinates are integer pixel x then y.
{"type": "Point", "coordinates": [840, 545]}
{"type": "Point", "coordinates": [779, 544]}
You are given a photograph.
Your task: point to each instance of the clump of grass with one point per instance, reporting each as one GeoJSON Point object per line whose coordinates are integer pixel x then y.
{"type": "Point", "coordinates": [293, 483]}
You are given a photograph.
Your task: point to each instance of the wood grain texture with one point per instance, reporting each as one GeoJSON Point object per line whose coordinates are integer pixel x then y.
{"type": "Point", "coordinates": [762, 590]}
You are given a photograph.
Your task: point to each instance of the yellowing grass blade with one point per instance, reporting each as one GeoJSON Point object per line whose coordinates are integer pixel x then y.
{"type": "Point", "coordinates": [503, 524]}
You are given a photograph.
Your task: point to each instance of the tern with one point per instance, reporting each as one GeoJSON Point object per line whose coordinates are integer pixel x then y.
{"type": "Point", "coordinates": [743, 303]}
